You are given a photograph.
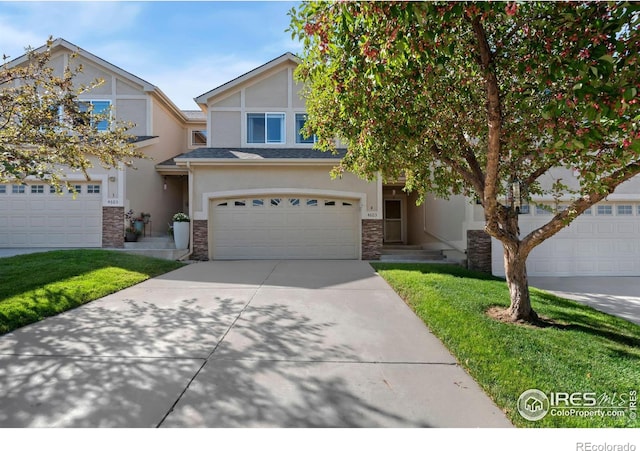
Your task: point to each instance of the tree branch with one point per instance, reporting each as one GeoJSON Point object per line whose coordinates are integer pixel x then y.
{"type": "Point", "coordinates": [494, 119]}
{"type": "Point", "coordinates": [562, 219]}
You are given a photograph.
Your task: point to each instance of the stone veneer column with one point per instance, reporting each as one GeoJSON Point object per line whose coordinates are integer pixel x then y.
{"type": "Point", "coordinates": [200, 240]}
{"type": "Point", "coordinates": [371, 239]}
{"type": "Point", "coordinates": [113, 227]}
{"type": "Point", "coordinates": [479, 251]}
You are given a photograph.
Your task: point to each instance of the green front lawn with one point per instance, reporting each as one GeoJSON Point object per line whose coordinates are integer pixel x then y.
{"type": "Point", "coordinates": [35, 286]}
{"type": "Point", "coordinates": [580, 350]}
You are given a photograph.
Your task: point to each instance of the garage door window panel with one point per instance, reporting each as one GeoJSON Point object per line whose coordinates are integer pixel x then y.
{"type": "Point", "coordinates": [624, 210]}
{"type": "Point", "coordinates": [18, 189]}
{"type": "Point", "coordinates": [604, 210]}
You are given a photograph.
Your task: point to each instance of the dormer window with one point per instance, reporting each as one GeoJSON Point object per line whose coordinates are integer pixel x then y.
{"type": "Point", "coordinates": [265, 128]}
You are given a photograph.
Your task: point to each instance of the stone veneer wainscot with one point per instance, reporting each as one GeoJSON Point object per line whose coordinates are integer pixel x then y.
{"type": "Point", "coordinates": [371, 239]}
{"type": "Point", "coordinates": [200, 239]}
{"type": "Point", "coordinates": [113, 227]}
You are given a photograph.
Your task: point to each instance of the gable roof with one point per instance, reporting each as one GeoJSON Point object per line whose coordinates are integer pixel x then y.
{"type": "Point", "coordinates": [202, 99]}
{"type": "Point", "coordinates": [146, 86]}
{"type": "Point", "coordinates": [62, 43]}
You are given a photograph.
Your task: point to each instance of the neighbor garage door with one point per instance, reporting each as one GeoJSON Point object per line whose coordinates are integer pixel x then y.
{"type": "Point", "coordinates": [273, 227]}
{"type": "Point", "coordinates": [34, 216]}
{"type": "Point", "coordinates": [603, 242]}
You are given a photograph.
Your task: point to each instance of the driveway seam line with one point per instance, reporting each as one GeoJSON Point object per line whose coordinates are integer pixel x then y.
{"type": "Point", "coordinates": [215, 348]}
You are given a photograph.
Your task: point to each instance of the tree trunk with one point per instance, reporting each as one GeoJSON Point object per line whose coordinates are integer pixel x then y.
{"type": "Point", "coordinates": [515, 266]}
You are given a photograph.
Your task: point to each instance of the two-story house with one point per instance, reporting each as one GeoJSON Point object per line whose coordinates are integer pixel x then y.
{"type": "Point", "coordinates": [33, 215]}
{"type": "Point", "coordinates": [259, 190]}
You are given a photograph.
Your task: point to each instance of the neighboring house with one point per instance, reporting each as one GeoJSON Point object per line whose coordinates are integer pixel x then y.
{"type": "Point", "coordinates": [33, 216]}
{"type": "Point", "coordinates": [255, 188]}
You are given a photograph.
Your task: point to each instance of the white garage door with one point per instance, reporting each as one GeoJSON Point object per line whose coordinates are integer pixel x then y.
{"type": "Point", "coordinates": [274, 227]}
{"type": "Point", "coordinates": [603, 242]}
{"type": "Point", "coordinates": [33, 216]}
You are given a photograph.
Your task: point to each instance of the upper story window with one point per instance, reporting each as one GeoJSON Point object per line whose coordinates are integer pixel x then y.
{"type": "Point", "coordinates": [301, 119]}
{"type": "Point", "coordinates": [198, 138]}
{"type": "Point", "coordinates": [94, 108]}
{"type": "Point", "coordinates": [265, 128]}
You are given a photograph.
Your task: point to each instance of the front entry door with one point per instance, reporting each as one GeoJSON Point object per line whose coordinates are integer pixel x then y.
{"type": "Point", "coordinates": [392, 221]}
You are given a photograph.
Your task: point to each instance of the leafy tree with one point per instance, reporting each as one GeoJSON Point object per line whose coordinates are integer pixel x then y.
{"type": "Point", "coordinates": [472, 97]}
{"type": "Point", "coordinates": [45, 130]}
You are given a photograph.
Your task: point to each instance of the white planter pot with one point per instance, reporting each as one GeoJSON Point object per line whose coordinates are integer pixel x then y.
{"type": "Point", "coordinates": [181, 234]}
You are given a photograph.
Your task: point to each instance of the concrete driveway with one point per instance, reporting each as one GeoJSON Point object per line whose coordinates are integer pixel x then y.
{"type": "Point", "coordinates": [240, 344]}
{"type": "Point", "coordinates": [618, 296]}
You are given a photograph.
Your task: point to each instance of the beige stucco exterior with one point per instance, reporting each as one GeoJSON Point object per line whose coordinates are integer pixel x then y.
{"type": "Point", "coordinates": [271, 91]}
{"type": "Point", "coordinates": [251, 180]}
{"type": "Point", "coordinates": [145, 186]}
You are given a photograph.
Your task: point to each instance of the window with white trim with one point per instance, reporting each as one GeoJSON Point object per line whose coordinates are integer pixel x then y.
{"type": "Point", "coordinates": [624, 210]}
{"type": "Point", "coordinates": [265, 128]}
{"type": "Point", "coordinates": [93, 189]}
{"type": "Point", "coordinates": [37, 189]}
{"type": "Point", "coordinates": [301, 119]}
{"type": "Point", "coordinates": [198, 138]}
{"type": "Point", "coordinates": [94, 108]}
{"type": "Point", "coordinates": [17, 189]}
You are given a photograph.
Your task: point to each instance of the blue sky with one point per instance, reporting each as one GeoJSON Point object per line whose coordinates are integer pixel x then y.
{"type": "Point", "coordinates": [184, 48]}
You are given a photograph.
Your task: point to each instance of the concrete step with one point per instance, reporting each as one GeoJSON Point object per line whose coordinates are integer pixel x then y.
{"type": "Point", "coordinates": [166, 254]}
{"type": "Point", "coordinates": [155, 242]}
{"type": "Point", "coordinates": [415, 247]}
{"type": "Point", "coordinates": [410, 253]}
{"type": "Point", "coordinates": [413, 258]}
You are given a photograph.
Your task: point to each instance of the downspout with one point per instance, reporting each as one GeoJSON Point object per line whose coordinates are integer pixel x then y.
{"type": "Point", "coordinates": [190, 190]}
